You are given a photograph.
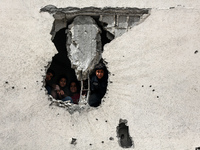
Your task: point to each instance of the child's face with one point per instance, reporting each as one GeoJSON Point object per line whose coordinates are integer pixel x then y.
{"type": "Point", "coordinates": [100, 73]}
{"type": "Point", "coordinates": [62, 82]}
{"type": "Point", "coordinates": [49, 75]}
{"type": "Point", "coordinates": [73, 87]}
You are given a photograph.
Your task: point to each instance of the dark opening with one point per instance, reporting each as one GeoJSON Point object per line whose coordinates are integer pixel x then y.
{"type": "Point", "coordinates": [125, 140]}
{"type": "Point", "coordinates": [61, 64]}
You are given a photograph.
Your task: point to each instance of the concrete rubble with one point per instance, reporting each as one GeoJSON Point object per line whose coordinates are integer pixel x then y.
{"type": "Point", "coordinates": [83, 45]}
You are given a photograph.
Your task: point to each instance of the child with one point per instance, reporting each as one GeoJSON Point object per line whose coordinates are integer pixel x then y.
{"type": "Point", "coordinates": [49, 75]}
{"type": "Point", "coordinates": [59, 92]}
{"type": "Point", "coordinates": [98, 85]}
{"type": "Point", "coordinates": [74, 92]}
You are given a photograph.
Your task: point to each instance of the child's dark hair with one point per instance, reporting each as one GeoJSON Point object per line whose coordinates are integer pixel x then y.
{"type": "Point", "coordinates": [77, 85]}
{"type": "Point", "coordinates": [102, 66]}
{"type": "Point", "coordinates": [51, 71]}
{"type": "Point", "coordinates": [60, 77]}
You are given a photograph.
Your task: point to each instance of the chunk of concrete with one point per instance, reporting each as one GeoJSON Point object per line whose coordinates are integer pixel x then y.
{"type": "Point", "coordinates": [108, 19]}
{"type": "Point", "coordinates": [122, 21]}
{"type": "Point", "coordinates": [84, 45]}
{"type": "Point", "coordinates": [133, 20]}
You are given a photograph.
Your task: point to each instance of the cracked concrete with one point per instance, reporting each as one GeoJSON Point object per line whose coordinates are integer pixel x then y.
{"type": "Point", "coordinates": [117, 20]}
{"type": "Point", "coordinates": [83, 41]}
{"type": "Point", "coordinates": [84, 45]}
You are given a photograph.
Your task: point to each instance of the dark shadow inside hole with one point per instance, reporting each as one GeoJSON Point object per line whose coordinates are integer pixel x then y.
{"type": "Point", "coordinates": [123, 134]}
{"type": "Point", "coordinates": [61, 64]}
{"type": "Point", "coordinates": [106, 37]}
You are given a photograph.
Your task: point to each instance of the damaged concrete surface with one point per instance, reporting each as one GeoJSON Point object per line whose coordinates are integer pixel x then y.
{"type": "Point", "coordinates": [154, 73]}
{"type": "Point", "coordinates": [117, 20]}
{"type": "Point", "coordinates": [84, 45]}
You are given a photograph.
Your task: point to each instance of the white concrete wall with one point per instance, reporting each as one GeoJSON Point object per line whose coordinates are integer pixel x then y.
{"type": "Point", "coordinates": [158, 52]}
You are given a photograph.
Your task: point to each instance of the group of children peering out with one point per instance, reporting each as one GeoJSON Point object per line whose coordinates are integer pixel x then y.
{"type": "Point", "coordinates": [98, 86]}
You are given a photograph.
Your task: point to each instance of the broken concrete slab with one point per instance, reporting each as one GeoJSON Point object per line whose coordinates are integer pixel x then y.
{"type": "Point", "coordinates": [83, 45]}
{"type": "Point", "coordinates": [115, 21]}
{"type": "Point", "coordinates": [94, 10]}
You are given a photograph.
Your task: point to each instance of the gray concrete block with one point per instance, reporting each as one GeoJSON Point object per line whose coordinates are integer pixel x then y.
{"type": "Point", "coordinates": [122, 21]}
{"type": "Point", "coordinates": [133, 20]}
{"type": "Point", "coordinates": [108, 19]}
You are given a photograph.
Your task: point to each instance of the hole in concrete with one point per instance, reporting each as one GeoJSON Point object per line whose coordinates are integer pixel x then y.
{"type": "Point", "coordinates": [74, 141]}
{"type": "Point", "coordinates": [196, 52]}
{"type": "Point", "coordinates": [79, 35]}
{"type": "Point", "coordinates": [125, 140]}
{"type": "Point", "coordinates": [111, 138]}
{"type": "Point", "coordinates": [61, 68]}
{"type": "Point", "coordinates": [197, 148]}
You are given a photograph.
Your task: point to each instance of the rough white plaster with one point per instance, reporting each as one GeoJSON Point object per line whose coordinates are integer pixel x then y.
{"type": "Point", "coordinates": [158, 52]}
